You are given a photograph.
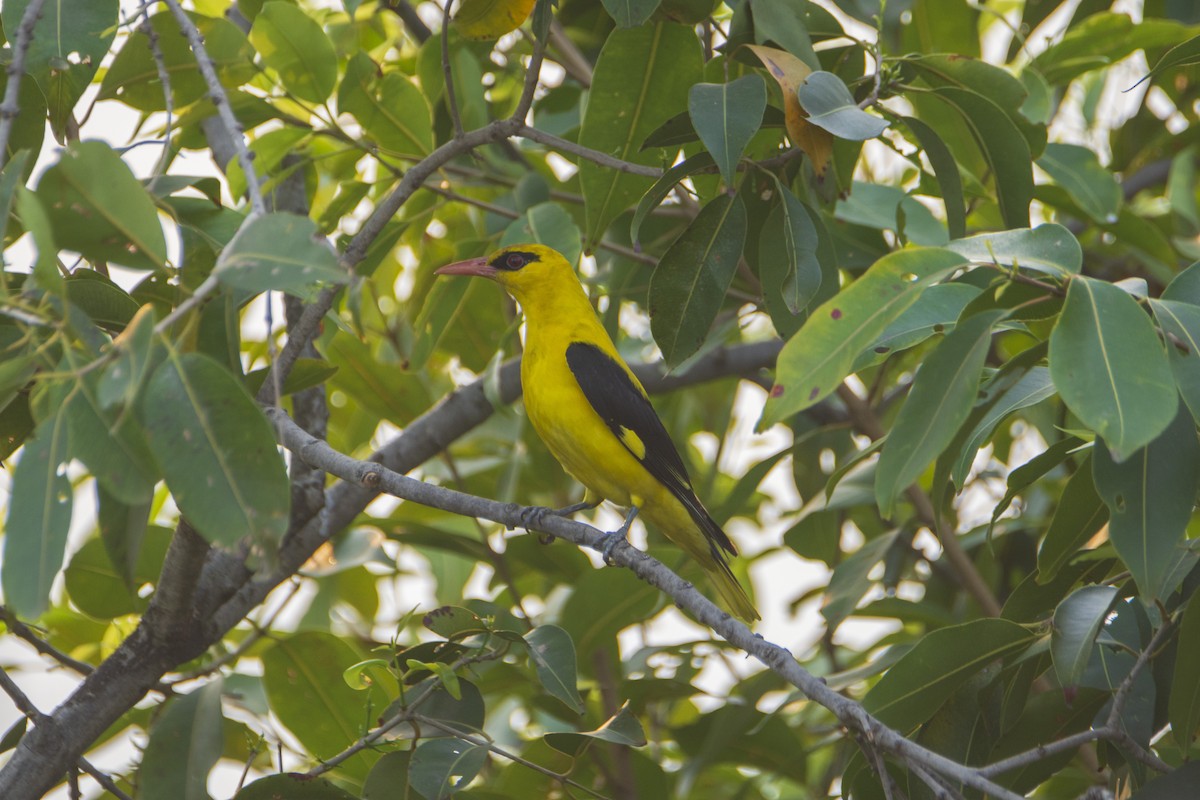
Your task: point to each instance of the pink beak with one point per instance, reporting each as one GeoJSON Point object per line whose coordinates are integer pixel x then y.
{"type": "Point", "coordinates": [472, 266]}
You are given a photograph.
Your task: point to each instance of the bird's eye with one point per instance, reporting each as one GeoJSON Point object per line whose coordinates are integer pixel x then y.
{"type": "Point", "coordinates": [514, 261]}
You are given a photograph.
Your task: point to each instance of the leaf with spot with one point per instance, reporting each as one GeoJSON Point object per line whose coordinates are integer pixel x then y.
{"type": "Point", "coordinates": [1110, 367]}
{"type": "Point", "coordinates": [1150, 495]}
{"type": "Point", "coordinates": [641, 78]}
{"type": "Point", "coordinates": [279, 252]}
{"type": "Point", "coordinates": [726, 116]}
{"type": "Point", "coordinates": [689, 285]}
{"type": "Point", "coordinates": [938, 404]}
{"type": "Point", "coordinates": [1181, 322]}
{"type": "Point", "coordinates": [216, 451]}
{"type": "Point", "coordinates": [98, 208]}
{"type": "Point", "coordinates": [815, 361]}
{"type": "Point", "coordinates": [293, 44]}
{"type": "Point", "coordinates": [39, 516]}
{"type": "Point", "coordinates": [790, 72]}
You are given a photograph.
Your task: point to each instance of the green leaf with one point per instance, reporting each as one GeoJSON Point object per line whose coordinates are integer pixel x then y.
{"type": "Point", "coordinates": [936, 311]}
{"type": "Point", "coordinates": [1109, 366]}
{"type": "Point", "coordinates": [1090, 183]}
{"type": "Point", "coordinates": [850, 582]}
{"type": "Point", "coordinates": [1077, 620]}
{"type": "Point", "coordinates": [122, 529]}
{"type": "Point", "coordinates": [108, 305]}
{"type": "Point", "coordinates": [630, 13]}
{"type": "Point", "coordinates": [454, 622]}
{"type": "Point", "coordinates": [548, 224]}
{"type": "Point", "coordinates": [280, 252]}
{"type": "Point", "coordinates": [1150, 496]}
{"type": "Point", "coordinates": [830, 106]}
{"type": "Point", "coordinates": [602, 604]}
{"type": "Point", "coordinates": [815, 361]}
{"type": "Point", "coordinates": [296, 786]}
{"type": "Point", "coordinates": [185, 743]}
{"type": "Point", "coordinates": [98, 208]}
{"type": "Point", "coordinates": [1171, 786]}
{"type": "Point", "coordinates": [938, 404]}
{"type": "Point", "coordinates": [1004, 148]}
{"type": "Point", "coordinates": [293, 44]}
{"type": "Point", "coordinates": [660, 62]}
{"type": "Point", "coordinates": [1079, 515]}
{"type": "Point", "coordinates": [99, 590]}
{"type": "Point", "coordinates": [553, 653]}
{"type": "Point", "coordinates": [133, 76]}
{"type": "Point", "coordinates": [1183, 706]}
{"type": "Point", "coordinates": [302, 675]}
{"type": "Point", "coordinates": [389, 772]}
{"type": "Point", "coordinates": [945, 169]}
{"type": "Point", "coordinates": [915, 687]}
{"type": "Point", "coordinates": [34, 219]}
{"type": "Point", "coordinates": [391, 109]}
{"type": "Point", "coordinates": [1033, 386]}
{"type": "Point", "coordinates": [689, 284]}
{"type": "Point", "coordinates": [787, 253]}
{"type": "Point", "coordinates": [441, 767]}
{"type": "Point", "coordinates": [123, 378]}
{"type": "Point", "coordinates": [465, 713]}
{"type": "Point", "coordinates": [1182, 321]}
{"type": "Point", "coordinates": [69, 41]}
{"type": "Point", "coordinates": [726, 116]}
{"type": "Point", "coordinates": [663, 186]}
{"type": "Point", "coordinates": [39, 516]}
{"type": "Point", "coordinates": [1048, 248]}
{"type": "Point", "coordinates": [216, 450]}
{"type": "Point", "coordinates": [889, 208]}
{"type": "Point", "coordinates": [622, 728]}
{"type": "Point", "coordinates": [111, 445]}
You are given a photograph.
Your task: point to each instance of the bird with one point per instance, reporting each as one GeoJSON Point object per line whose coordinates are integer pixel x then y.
{"type": "Point", "coordinates": [595, 417]}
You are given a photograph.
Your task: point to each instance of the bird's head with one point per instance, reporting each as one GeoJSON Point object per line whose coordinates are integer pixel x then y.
{"type": "Point", "coordinates": [518, 268]}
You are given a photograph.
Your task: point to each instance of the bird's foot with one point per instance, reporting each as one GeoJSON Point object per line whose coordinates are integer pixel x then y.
{"type": "Point", "coordinates": [609, 541]}
{"type": "Point", "coordinates": [611, 538]}
{"type": "Point", "coordinates": [532, 516]}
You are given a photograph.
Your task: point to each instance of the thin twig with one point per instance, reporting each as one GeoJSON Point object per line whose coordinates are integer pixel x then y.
{"type": "Point", "coordinates": [164, 77]}
{"type": "Point", "coordinates": [107, 783]}
{"type": "Point", "coordinates": [23, 631]}
{"type": "Point", "coordinates": [16, 70]}
{"type": "Point", "coordinates": [220, 101]}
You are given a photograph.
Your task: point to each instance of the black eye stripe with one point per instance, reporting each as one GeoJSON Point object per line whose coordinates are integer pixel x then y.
{"type": "Point", "coordinates": [513, 260]}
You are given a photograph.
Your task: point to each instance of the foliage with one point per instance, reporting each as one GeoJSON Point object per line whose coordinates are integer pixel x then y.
{"type": "Point", "coordinates": [973, 272]}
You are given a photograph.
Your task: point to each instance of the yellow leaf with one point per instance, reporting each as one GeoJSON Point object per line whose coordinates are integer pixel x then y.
{"type": "Point", "coordinates": [491, 19]}
{"type": "Point", "coordinates": [790, 73]}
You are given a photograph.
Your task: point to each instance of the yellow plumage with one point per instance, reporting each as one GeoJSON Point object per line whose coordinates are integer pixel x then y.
{"type": "Point", "coordinates": [593, 414]}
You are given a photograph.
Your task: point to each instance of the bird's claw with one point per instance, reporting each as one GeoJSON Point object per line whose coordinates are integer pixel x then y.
{"type": "Point", "coordinates": [608, 543]}
{"type": "Point", "coordinates": [532, 516]}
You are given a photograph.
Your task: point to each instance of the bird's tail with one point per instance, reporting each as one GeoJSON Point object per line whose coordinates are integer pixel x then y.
{"type": "Point", "coordinates": [731, 591]}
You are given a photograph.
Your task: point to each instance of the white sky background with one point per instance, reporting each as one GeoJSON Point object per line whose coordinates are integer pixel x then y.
{"type": "Point", "coordinates": [778, 577]}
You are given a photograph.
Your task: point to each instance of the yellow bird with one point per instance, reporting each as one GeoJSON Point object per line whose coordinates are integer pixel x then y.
{"type": "Point", "coordinates": [594, 415]}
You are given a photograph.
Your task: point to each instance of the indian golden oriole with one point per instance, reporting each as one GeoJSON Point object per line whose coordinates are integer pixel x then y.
{"type": "Point", "coordinates": [594, 415]}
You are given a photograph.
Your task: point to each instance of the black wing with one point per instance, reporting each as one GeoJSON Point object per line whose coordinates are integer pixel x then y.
{"type": "Point", "coordinates": [625, 410]}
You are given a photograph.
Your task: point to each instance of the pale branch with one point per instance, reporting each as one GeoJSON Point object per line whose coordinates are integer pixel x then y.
{"type": "Point", "coordinates": [220, 101]}
{"type": "Point", "coordinates": [10, 106]}
{"type": "Point", "coordinates": [164, 77]}
{"type": "Point", "coordinates": [851, 714]}
{"type": "Point", "coordinates": [586, 153]}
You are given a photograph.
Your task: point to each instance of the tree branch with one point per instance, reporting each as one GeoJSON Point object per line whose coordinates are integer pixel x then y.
{"type": "Point", "coordinates": [9, 108]}
{"type": "Point", "coordinates": [645, 567]}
